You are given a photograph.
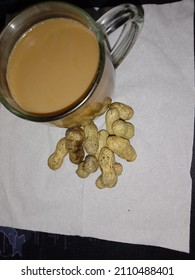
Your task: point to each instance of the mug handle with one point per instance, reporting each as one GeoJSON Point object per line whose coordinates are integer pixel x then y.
{"type": "Point", "coordinates": [131, 19]}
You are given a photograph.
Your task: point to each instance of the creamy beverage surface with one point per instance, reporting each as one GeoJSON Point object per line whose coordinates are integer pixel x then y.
{"type": "Point", "coordinates": [52, 65]}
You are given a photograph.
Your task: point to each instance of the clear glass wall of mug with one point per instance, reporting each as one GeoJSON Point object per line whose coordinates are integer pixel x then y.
{"type": "Point", "coordinates": [89, 88]}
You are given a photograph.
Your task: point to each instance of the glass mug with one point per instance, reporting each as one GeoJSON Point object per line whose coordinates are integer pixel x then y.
{"type": "Point", "coordinates": [98, 96]}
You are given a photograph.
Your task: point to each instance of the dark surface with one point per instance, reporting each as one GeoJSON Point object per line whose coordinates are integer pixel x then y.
{"type": "Point", "coordinates": [14, 6]}
{"type": "Point", "coordinates": [22, 244]}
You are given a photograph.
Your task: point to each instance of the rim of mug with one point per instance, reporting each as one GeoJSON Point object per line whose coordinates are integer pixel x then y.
{"type": "Point", "coordinates": [95, 28]}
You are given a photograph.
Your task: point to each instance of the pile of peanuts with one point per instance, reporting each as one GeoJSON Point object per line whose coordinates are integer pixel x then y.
{"type": "Point", "coordinates": [91, 149]}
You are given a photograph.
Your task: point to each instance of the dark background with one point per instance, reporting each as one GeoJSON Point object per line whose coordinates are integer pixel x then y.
{"type": "Point", "coordinates": [23, 244]}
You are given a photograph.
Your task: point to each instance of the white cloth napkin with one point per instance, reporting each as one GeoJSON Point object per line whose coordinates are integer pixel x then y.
{"type": "Point", "coordinates": [151, 202]}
